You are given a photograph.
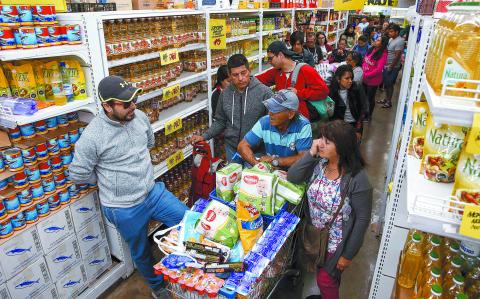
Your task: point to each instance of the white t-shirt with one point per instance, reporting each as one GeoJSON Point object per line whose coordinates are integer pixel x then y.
{"type": "Point", "coordinates": [348, 115]}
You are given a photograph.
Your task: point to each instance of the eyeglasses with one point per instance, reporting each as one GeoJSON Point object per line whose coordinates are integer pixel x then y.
{"type": "Point", "coordinates": [126, 105]}
{"type": "Point", "coordinates": [270, 58]}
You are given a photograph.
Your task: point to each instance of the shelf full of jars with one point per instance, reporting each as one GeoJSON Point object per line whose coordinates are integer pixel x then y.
{"type": "Point", "coordinates": [332, 23]}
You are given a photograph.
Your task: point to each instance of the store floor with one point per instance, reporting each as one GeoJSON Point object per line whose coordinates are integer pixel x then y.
{"type": "Point", "coordinates": [357, 278]}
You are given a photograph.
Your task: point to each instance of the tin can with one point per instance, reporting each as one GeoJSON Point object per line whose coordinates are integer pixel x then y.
{"type": "Point", "coordinates": [80, 130]}
{"type": "Point", "coordinates": [31, 215]}
{"type": "Point", "coordinates": [29, 155]}
{"type": "Point", "coordinates": [63, 34]}
{"type": "Point", "coordinates": [14, 159]}
{"type": "Point", "coordinates": [48, 185]}
{"type": "Point", "coordinates": [25, 14]}
{"type": "Point", "coordinates": [18, 221]}
{"type": "Point", "coordinates": [33, 173]}
{"type": "Point", "coordinates": [62, 120]}
{"type": "Point", "coordinates": [10, 15]}
{"type": "Point", "coordinates": [54, 202]}
{"type": "Point", "coordinates": [15, 134]}
{"type": "Point", "coordinates": [28, 131]}
{"type": "Point", "coordinates": [43, 37]}
{"type": "Point", "coordinates": [3, 211]}
{"type": "Point", "coordinates": [66, 156]}
{"type": "Point", "coordinates": [59, 179]}
{"type": "Point", "coordinates": [25, 197]}
{"type": "Point", "coordinates": [82, 188]}
{"type": "Point", "coordinates": [6, 229]}
{"type": "Point", "coordinates": [41, 127]}
{"type": "Point", "coordinates": [73, 191]}
{"type": "Point", "coordinates": [45, 169]}
{"type": "Point", "coordinates": [7, 38]}
{"type": "Point", "coordinates": [66, 172]}
{"type": "Point", "coordinates": [64, 196]}
{"type": "Point", "coordinates": [56, 163]}
{"type": "Point", "coordinates": [2, 163]}
{"type": "Point", "coordinates": [42, 151]}
{"type": "Point", "coordinates": [52, 124]}
{"type": "Point", "coordinates": [73, 34]}
{"type": "Point", "coordinates": [37, 191]}
{"type": "Point", "coordinates": [20, 180]}
{"type": "Point", "coordinates": [3, 184]}
{"type": "Point", "coordinates": [72, 117]}
{"type": "Point", "coordinates": [43, 208]}
{"type": "Point", "coordinates": [12, 204]}
{"type": "Point", "coordinates": [73, 136]}
{"type": "Point", "coordinates": [28, 37]}
{"type": "Point", "coordinates": [52, 147]}
{"type": "Point", "coordinates": [55, 34]}
{"type": "Point", "coordinates": [63, 141]}
{"type": "Point", "coordinates": [44, 14]}
{"type": "Point", "coordinates": [18, 40]}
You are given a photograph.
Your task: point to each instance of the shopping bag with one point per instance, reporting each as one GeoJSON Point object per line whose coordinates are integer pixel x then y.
{"type": "Point", "coordinates": [325, 108]}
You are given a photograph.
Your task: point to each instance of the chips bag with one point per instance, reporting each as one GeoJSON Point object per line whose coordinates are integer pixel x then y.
{"type": "Point", "coordinates": [218, 223]}
{"type": "Point", "coordinates": [8, 68]}
{"type": "Point", "coordinates": [286, 190]}
{"type": "Point", "coordinates": [250, 224]}
{"type": "Point", "coordinates": [77, 79]}
{"type": "Point", "coordinates": [258, 189]}
{"type": "Point", "coordinates": [443, 144]}
{"type": "Point", "coordinates": [419, 126]}
{"type": "Point", "coordinates": [4, 86]}
{"type": "Point", "coordinates": [226, 179]}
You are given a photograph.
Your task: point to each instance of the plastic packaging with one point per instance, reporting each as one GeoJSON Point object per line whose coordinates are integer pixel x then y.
{"type": "Point", "coordinates": [19, 106]}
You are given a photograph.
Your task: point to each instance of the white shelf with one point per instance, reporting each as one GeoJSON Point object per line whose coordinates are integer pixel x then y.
{"type": "Point", "coordinates": [249, 58]}
{"type": "Point", "coordinates": [162, 168]}
{"type": "Point", "coordinates": [44, 52]}
{"type": "Point", "coordinates": [276, 31]}
{"type": "Point", "coordinates": [105, 281]}
{"type": "Point", "coordinates": [277, 10]}
{"type": "Point", "coordinates": [241, 37]}
{"type": "Point", "coordinates": [181, 110]}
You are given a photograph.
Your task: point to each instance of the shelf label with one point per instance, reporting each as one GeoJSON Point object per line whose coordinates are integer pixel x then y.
{"type": "Point", "coordinates": [175, 159]}
{"type": "Point", "coordinates": [473, 142]}
{"type": "Point", "coordinates": [171, 92]}
{"type": "Point", "coordinates": [470, 225]}
{"type": "Point", "coordinates": [218, 34]}
{"type": "Point", "coordinates": [173, 125]}
{"type": "Point", "coordinates": [169, 56]}
{"type": "Point", "coordinates": [351, 4]}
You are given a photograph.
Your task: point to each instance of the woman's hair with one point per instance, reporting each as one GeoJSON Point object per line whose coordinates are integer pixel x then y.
{"type": "Point", "coordinates": [222, 74]}
{"type": "Point", "coordinates": [318, 39]}
{"type": "Point", "coordinates": [378, 54]}
{"type": "Point", "coordinates": [343, 135]}
{"type": "Point", "coordinates": [356, 57]}
{"type": "Point", "coordinates": [339, 73]}
{"type": "Point", "coordinates": [297, 36]}
{"type": "Point", "coordinates": [347, 33]}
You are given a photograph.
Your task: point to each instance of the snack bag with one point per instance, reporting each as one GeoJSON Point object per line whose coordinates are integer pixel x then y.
{"type": "Point", "coordinates": [419, 115]}
{"type": "Point", "coordinates": [286, 190]}
{"type": "Point", "coordinates": [263, 167]}
{"type": "Point", "coordinates": [4, 87]}
{"type": "Point", "coordinates": [258, 189]}
{"type": "Point", "coordinates": [38, 67]}
{"type": "Point", "coordinates": [467, 178]}
{"type": "Point", "coordinates": [226, 179]}
{"type": "Point", "coordinates": [443, 144]}
{"type": "Point", "coordinates": [250, 224]}
{"type": "Point", "coordinates": [24, 80]}
{"type": "Point", "coordinates": [77, 79]}
{"type": "Point", "coordinates": [218, 223]}
{"type": "Point", "coordinates": [9, 76]}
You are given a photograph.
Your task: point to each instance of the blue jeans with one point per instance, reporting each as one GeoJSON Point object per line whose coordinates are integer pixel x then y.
{"type": "Point", "coordinates": [132, 224]}
{"type": "Point", "coordinates": [229, 152]}
{"type": "Point", "coordinates": [389, 77]}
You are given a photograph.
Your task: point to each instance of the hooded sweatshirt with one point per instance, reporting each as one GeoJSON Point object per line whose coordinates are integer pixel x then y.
{"type": "Point", "coordinates": [237, 112]}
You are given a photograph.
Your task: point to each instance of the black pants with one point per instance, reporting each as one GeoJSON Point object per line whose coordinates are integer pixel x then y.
{"type": "Point", "coordinates": [370, 91]}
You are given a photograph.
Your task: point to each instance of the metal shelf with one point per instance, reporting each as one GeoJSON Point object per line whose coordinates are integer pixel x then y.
{"type": "Point", "coordinates": [242, 37]}
{"type": "Point", "coordinates": [276, 31]}
{"type": "Point", "coordinates": [45, 52]}
{"type": "Point", "coordinates": [162, 168]}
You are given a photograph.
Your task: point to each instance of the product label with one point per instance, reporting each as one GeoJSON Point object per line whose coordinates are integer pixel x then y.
{"type": "Point", "coordinates": [470, 225]}
{"type": "Point", "coordinates": [174, 159]}
{"type": "Point", "coordinates": [473, 144]}
{"type": "Point", "coordinates": [173, 125]}
{"type": "Point", "coordinates": [453, 70]}
{"type": "Point", "coordinates": [169, 56]}
{"type": "Point", "coordinates": [171, 92]}
{"type": "Point", "coordinates": [218, 34]}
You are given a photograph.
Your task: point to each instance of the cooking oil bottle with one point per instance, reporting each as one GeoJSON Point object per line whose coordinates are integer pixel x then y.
{"type": "Point", "coordinates": [453, 286]}
{"type": "Point", "coordinates": [411, 262]}
{"type": "Point", "coordinates": [433, 261]}
{"type": "Point", "coordinates": [435, 292]}
{"type": "Point", "coordinates": [433, 278]}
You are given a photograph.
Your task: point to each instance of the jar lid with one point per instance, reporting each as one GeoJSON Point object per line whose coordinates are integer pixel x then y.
{"type": "Point", "coordinates": [437, 290]}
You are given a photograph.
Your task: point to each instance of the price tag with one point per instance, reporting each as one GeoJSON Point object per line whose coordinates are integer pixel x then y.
{"type": "Point", "coordinates": [470, 225]}
{"type": "Point", "coordinates": [473, 143]}
{"type": "Point", "coordinates": [175, 159]}
{"type": "Point", "coordinates": [171, 92]}
{"type": "Point", "coordinates": [173, 125]}
{"type": "Point", "coordinates": [218, 34]}
{"type": "Point", "coordinates": [169, 56]}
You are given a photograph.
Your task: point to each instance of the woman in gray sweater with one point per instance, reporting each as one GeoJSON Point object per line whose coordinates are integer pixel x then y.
{"type": "Point", "coordinates": [334, 166]}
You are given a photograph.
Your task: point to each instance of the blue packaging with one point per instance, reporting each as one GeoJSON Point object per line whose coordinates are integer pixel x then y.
{"type": "Point", "coordinates": [33, 173]}
{"type": "Point", "coordinates": [25, 14]}
{"type": "Point", "coordinates": [48, 185]}
{"type": "Point", "coordinates": [53, 202]}
{"type": "Point", "coordinates": [18, 221]}
{"type": "Point", "coordinates": [28, 131]}
{"type": "Point", "coordinates": [51, 123]}
{"type": "Point", "coordinates": [52, 146]}
{"type": "Point", "coordinates": [25, 197]}
{"type": "Point", "coordinates": [3, 184]}
{"type": "Point", "coordinates": [72, 117]}
{"type": "Point", "coordinates": [62, 120]}
{"type": "Point", "coordinates": [31, 215]}
{"type": "Point", "coordinates": [64, 196]}
{"type": "Point", "coordinates": [12, 204]}
{"type": "Point", "coordinates": [73, 136]}
{"type": "Point", "coordinates": [37, 191]}
{"type": "Point", "coordinates": [42, 208]}
{"type": "Point", "coordinates": [6, 228]}
{"type": "Point", "coordinates": [73, 191]}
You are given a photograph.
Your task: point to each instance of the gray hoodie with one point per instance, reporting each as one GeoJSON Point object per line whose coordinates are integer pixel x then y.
{"type": "Point", "coordinates": [117, 154]}
{"type": "Point", "coordinates": [237, 115]}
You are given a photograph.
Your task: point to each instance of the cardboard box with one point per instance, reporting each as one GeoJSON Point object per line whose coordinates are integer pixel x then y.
{"type": "Point", "coordinates": [73, 283]}
{"type": "Point", "coordinates": [91, 236]}
{"type": "Point", "coordinates": [115, 242]}
{"type": "Point", "coordinates": [54, 229]}
{"type": "Point", "coordinates": [31, 282]}
{"type": "Point", "coordinates": [144, 4]}
{"type": "Point", "coordinates": [4, 294]}
{"type": "Point", "coordinates": [20, 251]}
{"type": "Point", "coordinates": [122, 4]}
{"type": "Point", "coordinates": [97, 262]}
{"type": "Point", "coordinates": [49, 293]}
{"type": "Point", "coordinates": [84, 211]}
{"type": "Point", "coordinates": [63, 257]}
{"type": "Point", "coordinates": [3, 278]}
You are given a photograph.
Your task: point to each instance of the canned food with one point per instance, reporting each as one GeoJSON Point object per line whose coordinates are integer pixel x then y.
{"type": "Point", "coordinates": [29, 155]}
{"type": "Point", "coordinates": [43, 36]}
{"type": "Point", "coordinates": [51, 123]}
{"type": "Point", "coordinates": [44, 167]}
{"type": "Point", "coordinates": [43, 208]}
{"type": "Point", "coordinates": [33, 173]}
{"type": "Point", "coordinates": [3, 184]}
{"type": "Point", "coordinates": [12, 204]}
{"type": "Point", "coordinates": [55, 34]}
{"type": "Point", "coordinates": [42, 151]}
{"type": "Point", "coordinates": [28, 131]}
{"type": "Point", "coordinates": [64, 196]}
{"type": "Point", "coordinates": [44, 14]}
{"type": "Point", "coordinates": [41, 127]}
{"type": "Point", "coordinates": [52, 146]}
{"type": "Point", "coordinates": [72, 117]}
{"type": "Point", "coordinates": [54, 202]}
{"type": "Point", "coordinates": [82, 188]}
{"type": "Point", "coordinates": [31, 215]}
{"type": "Point", "coordinates": [25, 14]}
{"type": "Point", "coordinates": [18, 222]}
{"type": "Point", "coordinates": [6, 229]}
{"type": "Point", "coordinates": [56, 163]}
{"type": "Point", "coordinates": [10, 15]}
{"type": "Point", "coordinates": [14, 159]}
{"type": "Point", "coordinates": [66, 172]}
{"type": "Point", "coordinates": [2, 163]}
{"type": "Point", "coordinates": [18, 40]}
{"type": "Point", "coordinates": [37, 191]}
{"type": "Point", "coordinates": [15, 134]}
{"type": "Point", "coordinates": [25, 197]}
{"type": "Point", "coordinates": [66, 156]}
{"type": "Point", "coordinates": [63, 141]}
{"type": "Point", "coordinates": [73, 34]}
{"type": "Point", "coordinates": [48, 185]}
{"type": "Point", "coordinates": [59, 179]}
{"type": "Point", "coordinates": [3, 211]}
{"type": "Point", "coordinates": [73, 136]}
{"type": "Point", "coordinates": [73, 191]}
{"type": "Point", "coordinates": [62, 120]}
{"type": "Point", "coordinates": [28, 37]}
{"type": "Point", "coordinates": [7, 38]}
{"type": "Point", "coordinates": [20, 180]}
{"type": "Point", "coordinates": [80, 130]}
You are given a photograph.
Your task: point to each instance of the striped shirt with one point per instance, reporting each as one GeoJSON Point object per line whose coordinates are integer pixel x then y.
{"type": "Point", "coordinates": [296, 139]}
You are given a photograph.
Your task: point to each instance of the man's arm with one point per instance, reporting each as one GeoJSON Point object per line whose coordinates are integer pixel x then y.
{"type": "Point", "coordinates": [283, 161]}
{"type": "Point", "coordinates": [81, 170]}
{"type": "Point", "coordinates": [315, 88]}
{"type": "Point", "coordinates": [251, 139]}
{"type": "Point", "coordinates": [268, 77]}
{"type": "Point", "coordinates": [246, 152]}
{"type": "Point", "coordinates": [398, 54]}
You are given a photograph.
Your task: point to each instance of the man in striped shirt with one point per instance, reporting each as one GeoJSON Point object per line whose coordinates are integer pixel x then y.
{"type": "Point", "coordinates": [285, 133]}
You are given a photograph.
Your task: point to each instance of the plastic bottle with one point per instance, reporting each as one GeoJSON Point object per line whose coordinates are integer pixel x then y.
{"type": "Point", "coordinates": [453, 286]}
{"type": "Point", "coordinates": [411, 262]}
{"type": "Point", "coordinates": [469, 252]}
{"type": "Point", "coordinates": [433, 245]}
{"type": "Point", "coordinates": [462, 296]}
{"type": "Point", "coordinates": [433, 278]}
{"type": "Point", "coordinates": [454, 267]}
{"type": "Point", "coordinates": [435, 292]}
{"type": "Point", "coordinates": [451, 252]}
{"type": "Point", "coordinates": [67, 85]}
{"type": "Point", "coordinates": [432, 261]}
{"type": "Point", "coordinates": [473, 277]}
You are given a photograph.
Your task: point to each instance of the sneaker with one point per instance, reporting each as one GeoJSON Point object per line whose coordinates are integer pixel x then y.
{"type": "Point", "coordinates": [161, 293]}
{"type": "Point", "coordinates": [387, 105]}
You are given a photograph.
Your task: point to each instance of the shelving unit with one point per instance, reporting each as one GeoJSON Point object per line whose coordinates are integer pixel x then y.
{"type": "Point", "coordinates": [162, 168]}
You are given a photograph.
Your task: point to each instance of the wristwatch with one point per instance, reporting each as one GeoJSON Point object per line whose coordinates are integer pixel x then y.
{"type": "Point", "coordinates": [275, 162]}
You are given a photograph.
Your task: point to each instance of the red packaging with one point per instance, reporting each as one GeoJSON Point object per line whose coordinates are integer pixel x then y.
{"type": "Point", "coordinates": [55, 33]}
{"type": "Point", "coordinates": [43, 37]}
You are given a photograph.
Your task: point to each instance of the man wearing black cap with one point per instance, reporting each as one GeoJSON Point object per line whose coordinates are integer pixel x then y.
{"type": "Point", "coordinates": [114, 151]}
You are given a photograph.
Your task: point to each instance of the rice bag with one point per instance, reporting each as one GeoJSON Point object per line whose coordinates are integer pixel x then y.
{"type": "Point", "coordinates": [419, 126]}
{"type": "Point", "coordinates": [218, 223]}
{"type": "Point", "coordinates": [226, 179]}
{"type": "Point", "coordinates": [258, 188]}
{"type": "Point", "coordinates": [443, 144]}
{"type": "Point", "coordinates": [250, 224]}
{"type": "Point", "coordinates": [286, 190]}
{"type": "Point", "coordinates": [467, 178]}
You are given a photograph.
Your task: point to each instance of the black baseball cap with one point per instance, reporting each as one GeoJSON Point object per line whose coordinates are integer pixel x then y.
{"type": "Point", "coordinates": [116, 88]}
{"type": "Point", "coordinates": [279, 46]}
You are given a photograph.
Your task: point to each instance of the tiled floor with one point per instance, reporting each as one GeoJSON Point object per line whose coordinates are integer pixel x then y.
{"type": "Point", "coordinates": [356, 279]}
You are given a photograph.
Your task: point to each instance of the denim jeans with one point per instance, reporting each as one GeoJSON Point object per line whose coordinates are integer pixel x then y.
{"type": "Point", "coordinates": [132, 224]}
{"type": "Point", "coordinates": [229, 152]}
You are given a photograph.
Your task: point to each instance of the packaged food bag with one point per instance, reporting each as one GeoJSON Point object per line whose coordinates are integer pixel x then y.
{"type": "Point", "coordinates": [443, 144]}
{"type": "Point", "coordinates": [279, 202]}
{"type": "Point", "coordinates": [467, 178]}
{"type": "Point", "coordinates": [263, 167]}
{"type": "Point", "coordinates": [53, 81]}
{"type": "Point", "coordinates": [8, 68]}
{"type": "Point", "coordinates": [77, 79]}
{"type": "Point", "coordinates": [419, 126]}
{"type": "Point", "coordinates": [250, 224]}
{"type": "Point", "coordinates": [226, 179]}
{"type": "Point", "coordinates": [38, 68]}
{"type": "Point", "coordinates": [286, 190]}
{"type": "Point", "coordinates": [23, 80]}
{"type": "Point", "coordinates": [4, 86]}
{"type": "Point", "coordinates": [258, 189]}
{"type": "Point", "coordinates": [218, 223]}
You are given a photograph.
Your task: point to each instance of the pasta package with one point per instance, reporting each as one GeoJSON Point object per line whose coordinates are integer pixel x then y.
{"type": "Point", "coordinates": [77, 78]}
{"type": "Point", "coordinates": [467, 178]}
{"type": "Point", "coordinates": [250, 224]}
{"type": "Point", "coordinates": [443, 144]}
{"type": "Point", "coordinates": [420, 113]}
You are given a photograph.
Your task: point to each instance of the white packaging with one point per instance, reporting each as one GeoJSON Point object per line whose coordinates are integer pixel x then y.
{"type": "Point", "coordinates": [31, 282]}
{"type": "Point", "coordinates": [97, 262]}
{"type": "Point", "coordinates": [20, 251]}
{"type": "Point", "coordinates": [84, 211]}
{"type": "Point", "coordinates": [63, 257]}
{"type": "Point", "coordinates": [91, 236]}
{"type": "Point", "coordinates": [54, 229]}
{"type": "Point", "coordinates": [50, 293]}
{"type": "Point", "coordinates": [73, 283]}
{"type": "Point", "coordinates": [258, 189]}
{"type": "Point", "coordinates": [226, 178]}
{"type": "Point", "coordinates": [4, 294]}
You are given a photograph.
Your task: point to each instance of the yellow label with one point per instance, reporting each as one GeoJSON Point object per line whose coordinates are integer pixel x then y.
{"type": "Point", "coordinates": [387, 3]}
{"type": "Point", "coordinates": [171, 92]}
{"type": "Point", "coordinates": [173, 125]}
{"type": "Point", "coordinates": [348, 4]}
{"type": "Point", "coordinates": [470, 226]}
{"type": "Point", "coordinates": [174, 159]}
{"type": "Point", "coordinates": [169, 56]}
{"type": "Point", "coordinates": [218, 34]}
{"type": "Point", "coordinates": [473, 143]}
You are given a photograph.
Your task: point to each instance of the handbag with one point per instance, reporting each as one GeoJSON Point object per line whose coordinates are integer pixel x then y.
{"type": "Point", "coordinates": [315, 240]}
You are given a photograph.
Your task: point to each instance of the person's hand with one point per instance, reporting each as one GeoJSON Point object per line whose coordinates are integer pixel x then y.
{"type": "Point", "coordinates": [267, 159]}
{"type": "Point", "coordinates": [293, 89]}
{"type": "Point", "coordinates": [197, 138]}
{"type": "Point", "coordinates": [343, 263]}
{"type": "Point", "coordinates": [314, 148]}
{"type": "Point", "coordinates": [340, 52]}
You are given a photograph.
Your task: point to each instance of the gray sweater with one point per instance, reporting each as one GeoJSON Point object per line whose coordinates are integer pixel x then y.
{"type": "Point", "coordinates": [360, 194]}
{"type": "Point", "coordinates": [237, 115]}
{"type": "Point", "coordinates": [117, 155]}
